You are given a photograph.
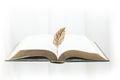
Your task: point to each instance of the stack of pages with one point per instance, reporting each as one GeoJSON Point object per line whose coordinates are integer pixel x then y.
{"type": "Point", "coordinates": [41, 47]}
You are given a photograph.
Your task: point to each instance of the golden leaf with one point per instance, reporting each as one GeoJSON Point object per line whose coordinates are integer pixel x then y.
{"type": "Point", "coordinates": [59, 37]}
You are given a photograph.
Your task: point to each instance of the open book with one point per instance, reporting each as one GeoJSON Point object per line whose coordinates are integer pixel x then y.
{"type": "Point", "coordinates": [73, 47]}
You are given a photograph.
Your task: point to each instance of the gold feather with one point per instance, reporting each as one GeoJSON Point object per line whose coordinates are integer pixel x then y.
{"type": "Point", "coordinates": [59, 37]}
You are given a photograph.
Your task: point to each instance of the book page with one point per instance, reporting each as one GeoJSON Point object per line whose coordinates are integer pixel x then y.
{"type": "Point", "coordinates": [82, 43]}
{"type": "Point", "coordinates": [35, 42]}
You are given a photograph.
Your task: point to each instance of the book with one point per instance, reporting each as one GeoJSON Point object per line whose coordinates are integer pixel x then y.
{"type": "Point", "coordinates": [41, 47]}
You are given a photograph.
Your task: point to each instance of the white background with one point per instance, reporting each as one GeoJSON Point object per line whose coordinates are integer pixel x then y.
{"type": "Point", "coordinates": [99, 20]}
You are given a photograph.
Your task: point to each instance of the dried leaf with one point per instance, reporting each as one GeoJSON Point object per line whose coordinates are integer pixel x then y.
{"type": "Point", "coordinates": [59, 37]}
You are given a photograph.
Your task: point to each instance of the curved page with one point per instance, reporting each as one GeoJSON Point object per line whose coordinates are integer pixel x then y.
{"type": "Point", "coordinates": [81, 43]}
{"type": "Point", "coordinates": [35, 42]}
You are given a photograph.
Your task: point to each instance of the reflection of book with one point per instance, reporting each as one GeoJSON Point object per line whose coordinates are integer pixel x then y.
{"type": "Point", "coordinates": [41, 46]}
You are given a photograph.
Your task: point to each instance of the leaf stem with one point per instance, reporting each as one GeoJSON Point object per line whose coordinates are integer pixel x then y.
{"type": "Point", "coordinates": [57, 51]}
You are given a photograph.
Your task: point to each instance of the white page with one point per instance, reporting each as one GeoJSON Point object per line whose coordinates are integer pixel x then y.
{"type": "Point", "coordinates": [44, 42]}
{"type": "Point", "coordinates": [75, 42]}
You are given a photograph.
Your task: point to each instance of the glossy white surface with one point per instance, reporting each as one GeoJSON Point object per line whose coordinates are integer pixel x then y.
{"type": "Point", "coordinates": [52, 71]}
